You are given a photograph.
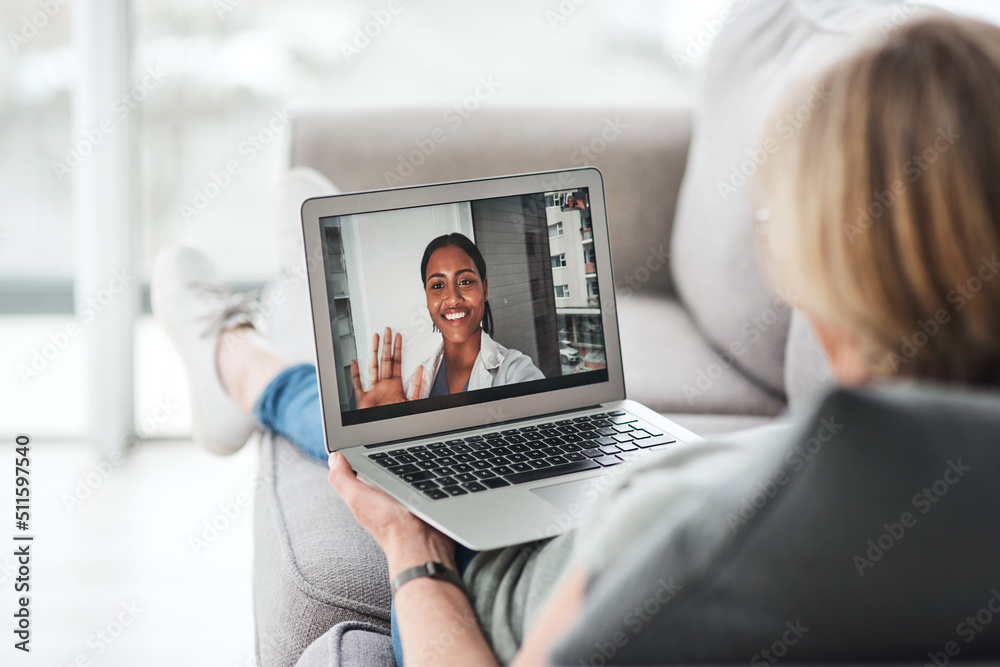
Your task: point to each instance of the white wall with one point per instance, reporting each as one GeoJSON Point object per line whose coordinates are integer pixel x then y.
{"type": "Point", "coordinates": [383, 252]}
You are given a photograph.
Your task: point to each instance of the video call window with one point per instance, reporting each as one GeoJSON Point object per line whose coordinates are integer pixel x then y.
{"type": "Point", "coordinates": [496, 277]}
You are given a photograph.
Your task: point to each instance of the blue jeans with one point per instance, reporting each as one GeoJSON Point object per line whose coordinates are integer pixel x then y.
{"type": "Point", "coordinates": [289, 406]}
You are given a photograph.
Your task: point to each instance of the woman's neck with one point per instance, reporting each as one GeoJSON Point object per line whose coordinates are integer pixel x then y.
{"type": "Point", "coordinates": [459, 359]}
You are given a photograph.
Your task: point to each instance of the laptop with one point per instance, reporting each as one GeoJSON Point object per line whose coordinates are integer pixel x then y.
{"type": "Point", "coordinates": [503, 284]}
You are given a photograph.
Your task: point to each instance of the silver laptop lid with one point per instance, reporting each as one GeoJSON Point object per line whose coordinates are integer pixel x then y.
{"type": "Point", "coordinates": [543, 241]}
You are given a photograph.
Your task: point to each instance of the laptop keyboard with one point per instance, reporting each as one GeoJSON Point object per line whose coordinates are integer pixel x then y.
{"type": "Point", "coordinates": [459, 466]}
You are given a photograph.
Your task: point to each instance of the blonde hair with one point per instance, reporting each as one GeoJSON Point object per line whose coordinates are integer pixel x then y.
{"type": "Point", "coordinates": [885, 204]}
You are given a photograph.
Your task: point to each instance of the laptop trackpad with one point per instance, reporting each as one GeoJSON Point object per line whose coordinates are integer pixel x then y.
{"type": "Point", "coordinates": [572, 497]}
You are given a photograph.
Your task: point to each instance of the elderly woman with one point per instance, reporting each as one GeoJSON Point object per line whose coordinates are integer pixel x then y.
{"type": "Point", "coordinates": [825, 537]}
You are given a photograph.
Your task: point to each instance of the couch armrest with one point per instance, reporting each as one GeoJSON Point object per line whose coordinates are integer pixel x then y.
{"type": "Point", "coordinates": [350, 644]}
{"type": "Point", "coordinates": [641, 152]}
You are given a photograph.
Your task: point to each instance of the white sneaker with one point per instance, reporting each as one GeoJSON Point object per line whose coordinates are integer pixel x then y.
{"type": "Point", "coordinates": [193, 306]}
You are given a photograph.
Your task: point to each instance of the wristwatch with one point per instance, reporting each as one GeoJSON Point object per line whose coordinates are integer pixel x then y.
{"type": "Point", "coordinates": [431, 569]}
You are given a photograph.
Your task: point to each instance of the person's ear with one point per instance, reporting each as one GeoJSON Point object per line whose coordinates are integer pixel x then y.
{"type": "Point", "coordinates": [843, 351]}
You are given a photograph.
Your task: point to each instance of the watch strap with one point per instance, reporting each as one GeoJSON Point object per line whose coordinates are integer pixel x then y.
{"type": "Point", "coordinates": [431, 569]}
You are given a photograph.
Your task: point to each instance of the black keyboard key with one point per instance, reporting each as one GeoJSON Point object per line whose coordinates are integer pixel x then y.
{"type": "Point", "coordinates": [575, 456]}
{"type": "Point", "coordinates": [571, 447]}
{"type": "Point", "coordinates": [446, 481]}
{"type": "Point", "coordinates": [497, 461]}
{"type": "Point", "coordinates": [515, 439]}
{"type": "Point", "coordinates": [547, 425]}
{"type": "Point", "coordinates": [593, 453]}
{"type": "Point", "coordinates": [483, 454]}
{"type": "Point", "coordinates": [457, 441]}
{"type": "Point", "coordinates": [455, 490]}
{"type": "Point", "coordinates": [436, 446]}
{"type": "Point", "coordinates": [536, 454]}
{"type": "Point", "coordinates": [496, 442]}
{"type": "Point", "coordinates": [497, 482]}
{"type": "Point", "coordinates": [521, 467]}
{"type": "Point", "coordinates": [584, 418]}
{"type": "Point", "coordinates": [519, 448]}
{"type": "Point", "coordinates": [601, 423]}
{"type": "Point", "coordinates": [461, 449]}
{"type": "Point", "coordinates": [387, 462]}
{"type": "Point", "coordinates": [606, 441]}
{"type": "Point", "coordinates": [608, 461]}
{"type": "Point", "coordinates": [484, 474]}
{"type": "Point", "coordinates": [436, 494]}
{"type": "Point", "coordinates": [466, 477]}
{"type": "Point", "coordinates": [444, 471]}
{"type": "Point", "coordinates": [411, 477]}
{"type": "Point", "coordinates": [480, 465]}
{"type": "Point", "coordinates": [462, 467]}
{"type": "Point", "coordinates": [427, 465]}
{"type": "Point", "coordinates": [540, 463]}
{"type": "Point", "coordinates": [426, 484]}
{"type": "Point", "coordinates": [474, 487]}
{"type": "Point", "coordinates": [503, 470]}
{"type": "Point", "coordinates": [554, 471]}
{"type": "Point", "coordinates": [510, 431]}
{"type": "Point", "coordinates": [617, 413]}
{"type": "Point", "coordinates": [474, 438]}
{"type": "Point", "coordinates": [607, 431]}
{"type": "Point", "coordinates": [501, 451]}
{"type": "Point", "coordinates": [424, 455]}
{"type": "Point", "coordinates": [447, 461]}
{"type": "Point", "coordinates": [552, 451]}
{"type": "Point", "coordinates": [537, 444]}
{"type": "Point", "coordinates": [403, 469]}
{"type": "Point", "coordinates": [558, 460]}
{"type": "Point", "coordinates": [516, 458]}
{"type": "Point", "coordinates": [464, 458]}
{"type": "Point", "coordinates": [378, 455]}
{"type": "Point", "coordinates": [563, 422]}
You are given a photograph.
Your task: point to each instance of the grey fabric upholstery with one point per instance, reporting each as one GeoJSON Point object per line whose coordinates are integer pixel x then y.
{"type": "Point", "coordinates": [642, 154]}
{"type": "Point", "coordinates": [766, 46]}
{"type": "Point", "coordinates": [880, 544]}
{"type": "Point", "coordinates": [350, 644]}
{"type": "Point", "coordinates": [314, 566]}
{"type": "Point", "coordinates": [807, 371]}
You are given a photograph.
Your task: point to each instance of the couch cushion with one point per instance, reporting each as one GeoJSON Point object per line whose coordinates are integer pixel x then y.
{"type": "Point", "coordinates": [767, 45]}
{"type": "Point", "coordinates": [670, 368]}
{"type": "Point", "coordinates": [314, 566]}
{"type": "Point", "coordinates": [350, 644]}
{"type": "Point", "coordinates": [641, 152]}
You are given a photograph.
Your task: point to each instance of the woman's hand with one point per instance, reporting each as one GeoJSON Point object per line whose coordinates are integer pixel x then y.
{"type": "Point", "coordinates": [406, 540]}
{"type": "Point", "coordinates": [385, 375]}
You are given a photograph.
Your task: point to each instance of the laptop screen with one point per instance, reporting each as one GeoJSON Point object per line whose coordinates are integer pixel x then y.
{"type": "Point", "coordinates": [483, 300]}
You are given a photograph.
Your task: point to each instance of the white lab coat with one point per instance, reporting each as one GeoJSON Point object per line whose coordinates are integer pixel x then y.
{"type": "Point", "coordinates": [495, 366]}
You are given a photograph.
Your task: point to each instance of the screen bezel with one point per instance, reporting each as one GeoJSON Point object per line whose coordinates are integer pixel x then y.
{"type": "Point", "coordinates": [339, 436]}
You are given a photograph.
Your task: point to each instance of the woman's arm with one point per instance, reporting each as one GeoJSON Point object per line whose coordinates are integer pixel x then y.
{"type": "Point", "coordinates": [436, 622]}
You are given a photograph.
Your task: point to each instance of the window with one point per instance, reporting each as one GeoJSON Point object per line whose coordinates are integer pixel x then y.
{"type": "Point", "coordinates": [592, 288]}
{"type": "Point", "coordinates": [559, 261]}
{"type": "Point", "coordinates": [555, 230]}
{"type": "Point", "coordinates": [562, 291]}
{"type": "Point", "coordinates": [589, 256]}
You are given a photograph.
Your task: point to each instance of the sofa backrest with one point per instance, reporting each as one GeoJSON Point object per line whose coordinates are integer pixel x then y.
{"type": "Point", "coordinates": [641, 152]}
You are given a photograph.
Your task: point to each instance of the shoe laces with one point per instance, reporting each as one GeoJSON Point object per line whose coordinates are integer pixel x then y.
{"type": "Point", "coordinates": [226, 309]}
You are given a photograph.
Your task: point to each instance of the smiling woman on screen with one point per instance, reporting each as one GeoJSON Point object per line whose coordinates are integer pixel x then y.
{"type": "Point", "coordinates": [453, 272]}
